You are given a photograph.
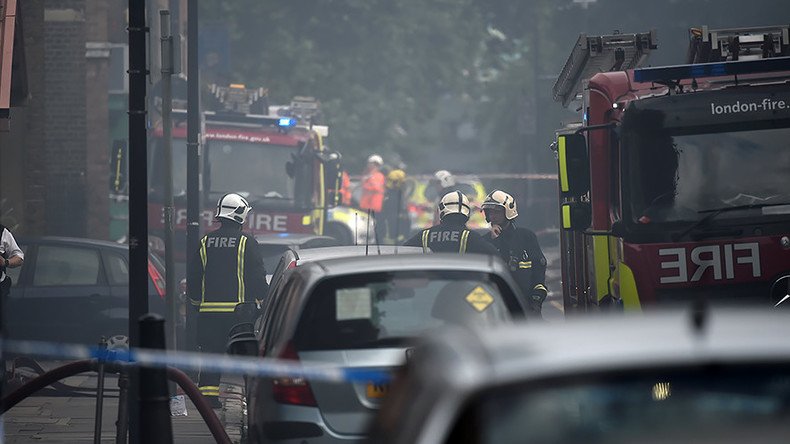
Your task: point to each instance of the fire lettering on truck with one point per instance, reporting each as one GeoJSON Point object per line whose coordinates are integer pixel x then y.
{"type": "Point", "coordinates": [723, 261]}
{"type": "Point", "coordinates": [268, 222]}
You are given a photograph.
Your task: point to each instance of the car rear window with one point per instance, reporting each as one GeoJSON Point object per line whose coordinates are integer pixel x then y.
{"type": "Point", "coordinates": [721, 404]}
{"type": "Point", "coordinates": [63, 265]}
{"type": "Point", "coordinates": [390, 309]}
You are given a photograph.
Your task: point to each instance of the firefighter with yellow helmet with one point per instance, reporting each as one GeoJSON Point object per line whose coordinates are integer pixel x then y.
{"type": "Point", "coordinates": [517, 246]}
{"type": "Point", "coordinates": [393, 226]}
{"type": "Point", "coordinates": [451, 234]}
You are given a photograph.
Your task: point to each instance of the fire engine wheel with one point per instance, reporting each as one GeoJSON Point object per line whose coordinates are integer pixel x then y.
{"type": "Point", "coordinates": [339, 232]}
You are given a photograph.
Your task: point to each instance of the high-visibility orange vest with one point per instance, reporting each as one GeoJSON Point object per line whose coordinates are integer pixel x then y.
{"type": "Point", "coordinates": [345, 189]}
{"type": "Point", "coordinates": [372, 192]}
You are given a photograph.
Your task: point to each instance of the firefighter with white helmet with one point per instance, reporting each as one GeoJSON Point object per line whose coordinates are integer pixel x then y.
{"type": "Point", "coordinates": [373, 183]}
{"type": "Point", "coordinates": [517, 246]}
{"type": "Point", "coordinates": [444, 178]}
{"type": "Point", "coordinates": [451, 234]}
{"type": "Point", "coordinates": [230, 269]}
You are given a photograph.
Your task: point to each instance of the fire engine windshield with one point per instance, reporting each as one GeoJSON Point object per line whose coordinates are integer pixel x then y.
{"type": "Point", "coordinates": [681, 175]}
{"type": "Point", "coordinates": [257, 169]}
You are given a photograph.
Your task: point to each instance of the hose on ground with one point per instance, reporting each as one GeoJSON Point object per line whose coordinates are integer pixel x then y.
{"type": "Point", "coordinates": [77, 367]}
{"type": "Point", "coordinates": [200, 402]}
{"type": "Point", "coordinates": [46, 379]}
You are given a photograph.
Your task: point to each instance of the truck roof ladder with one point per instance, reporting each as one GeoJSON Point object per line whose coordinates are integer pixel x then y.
{"type": "Point", "coordinates": [605, 53]}
{"type": "Point", "coordinates": [737, 44]}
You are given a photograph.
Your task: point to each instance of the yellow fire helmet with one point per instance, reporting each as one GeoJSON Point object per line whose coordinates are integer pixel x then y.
{"type": "Point", "coordinates": [395, 178]}
{"type": "Point", "coordinates": [499, 198]}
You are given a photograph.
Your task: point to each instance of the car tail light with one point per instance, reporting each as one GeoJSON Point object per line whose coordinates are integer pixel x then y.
{"type": "Point", "coordinates": [157, 279]}
{"type": "Point", "coordinates": [295, 391]}
{"type": "Point", "coordinates": [291, 264]}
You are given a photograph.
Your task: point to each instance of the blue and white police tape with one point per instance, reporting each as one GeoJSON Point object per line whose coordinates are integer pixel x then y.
{"type": "Point", "coordinates": [207, 362]}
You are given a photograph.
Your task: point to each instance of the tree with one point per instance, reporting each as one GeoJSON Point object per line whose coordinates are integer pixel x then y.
{"type": "Point", "coordinates": [379, 66]}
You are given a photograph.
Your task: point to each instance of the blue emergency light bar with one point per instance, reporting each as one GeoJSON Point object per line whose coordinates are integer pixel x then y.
{"type": "Point", "coordinates": [286, 122]}
{"type": "Point", "coordinates": [716, 69]}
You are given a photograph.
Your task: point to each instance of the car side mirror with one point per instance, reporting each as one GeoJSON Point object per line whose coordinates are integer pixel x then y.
{"type": "Point", "coordinates": [574, 165]}
{"type": "Point", "coordinates": [242, 340]}
{"type": "Point", "coordinates": [289, 169]}
{"type": "Point", "coordinates": [576, 216]}
{"type": "Point", "coordinates": [245, 312]}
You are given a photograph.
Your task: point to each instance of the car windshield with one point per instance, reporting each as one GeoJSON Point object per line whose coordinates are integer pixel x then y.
{"type": "Point", "coordinates": [385, 310]}
{"type": "Point", "coordinates": [674, 175]}
{"type": "Point", "coordinates": [257, 169]}
{"type": "Point", "coordinates": [699, 405]}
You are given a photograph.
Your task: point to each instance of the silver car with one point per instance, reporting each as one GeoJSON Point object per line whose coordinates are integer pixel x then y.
{"type": "Point", "coordinates": [363, 313]}
{"type": "Point", "coordinates": [716, 377]}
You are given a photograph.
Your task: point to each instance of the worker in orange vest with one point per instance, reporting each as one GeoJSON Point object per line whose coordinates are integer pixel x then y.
{"type": "Point", "coordinates": [372, 185]}
{"type": "Point", "coordinates": [345, 189]}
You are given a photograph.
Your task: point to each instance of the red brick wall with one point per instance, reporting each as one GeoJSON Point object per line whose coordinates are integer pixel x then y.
{"type": "Point", "coordinates": [65, 117]}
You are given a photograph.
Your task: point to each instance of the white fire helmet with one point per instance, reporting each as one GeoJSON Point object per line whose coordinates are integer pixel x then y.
{"type": "Point", "coordinates": [445, 178]}
{"type": "Point", "coordinates": [233, 207]}
{"type": "Point", "coordinates": [375, 158]}
{"type": "Point", "coordinates": [454, 202]}
{"type": "Point", "coordinates": [499, 198]}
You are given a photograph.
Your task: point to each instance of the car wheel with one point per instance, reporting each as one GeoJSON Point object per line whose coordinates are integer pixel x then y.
{"type": "Point", "coordinates": [339, 232]}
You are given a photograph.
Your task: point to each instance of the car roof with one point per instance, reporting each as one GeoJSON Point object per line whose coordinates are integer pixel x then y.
{"type": "Point", "coordinates": [392, 262]}
{"type": "Point", "coordinates": [313, 254]}
{"type": "Point", "coordinates": [72, 241]}
{"type": "Point", "coordinates": [606, 343]}
{"type": "Point", "coordinates": [288, 238]}
{"type": "Point", "coordinates": [451, 367]}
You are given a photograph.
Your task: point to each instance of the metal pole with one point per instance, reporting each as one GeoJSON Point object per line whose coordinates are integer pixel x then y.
{"type": "Point", "coordinates": [399, 202]}
{"type": "Point", "coordinates": [193, 147]}
{"type": "Point", "coordinates": [99, 394]}
{"type": "Point", "coordinates": [155, 425]}
{"type": "Point", "coordinates": [122, 423]}
{"type": "Point", "coordinates": [138, 186]}
{"type": "Point", "coordinates": [167, 127]}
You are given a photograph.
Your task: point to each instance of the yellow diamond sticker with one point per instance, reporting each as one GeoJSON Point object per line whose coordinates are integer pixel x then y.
{"type": "Point", "coordinates": [479, 299]}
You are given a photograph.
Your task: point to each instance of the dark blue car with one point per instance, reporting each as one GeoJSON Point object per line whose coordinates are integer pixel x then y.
{"type": "Point", "coordinates": [75, 290]}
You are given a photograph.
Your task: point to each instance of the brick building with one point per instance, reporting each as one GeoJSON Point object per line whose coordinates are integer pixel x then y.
{"type": "Point", "coordinates": [68, 121]}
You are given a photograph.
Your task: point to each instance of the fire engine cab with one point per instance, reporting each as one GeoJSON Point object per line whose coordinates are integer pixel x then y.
{"type": "Point", "coordinates": [674, 183]}
{"type": "Point", "coordinates": [274, 156]}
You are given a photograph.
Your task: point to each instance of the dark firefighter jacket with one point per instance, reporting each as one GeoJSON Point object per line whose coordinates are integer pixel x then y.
{"type": "Point", "coordinates": [451, 236]}
{"type": "Point", "coordinates": [228, 269]}
{"type": "Point", "coordinates": [519, 248]}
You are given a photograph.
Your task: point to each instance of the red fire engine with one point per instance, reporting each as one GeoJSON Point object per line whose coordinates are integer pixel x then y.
{"type": "Point", "coordinates": [674, 186]}
{"type": "Point", "coordinates": [273, 156]}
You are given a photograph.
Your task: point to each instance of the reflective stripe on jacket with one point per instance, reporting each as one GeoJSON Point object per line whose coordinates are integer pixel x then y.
{"type": "Point", "coordinates": [461, 243]}
{"type": "Point", "coordinates": [215, 304]}
{"type": "Point", "coordinates": [227, 270]}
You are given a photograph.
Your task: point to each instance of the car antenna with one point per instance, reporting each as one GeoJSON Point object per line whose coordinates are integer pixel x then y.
{"type": "Point", "coordinates": [367, 233]}
{"type": "Point", "coordinates": [376, 234]}
{"type": "Point", "coordinates": [699, 315]}
{"type": "Point", "coordinates": [398, 202]}
{"type": "Point", "coordinates": [356, 219]}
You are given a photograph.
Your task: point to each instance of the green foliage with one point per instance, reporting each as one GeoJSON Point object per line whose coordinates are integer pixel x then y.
{"type": "Point", "coordinates": [455, 84]}
{"type": "Point", "coordinates": [379, 66]}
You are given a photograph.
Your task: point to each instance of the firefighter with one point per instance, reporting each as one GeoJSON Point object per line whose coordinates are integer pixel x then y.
{"type": "Point", "coordinates": [394, 224]}
{"type": "Point", "coordinates": [517, 246]}
{"type": "Point", "coordinates": [373, 185]}
{"type": "Point", "coordinates": [230, 269]}
{"type": "Point", "coordinates": [451, 234]}
{"type": "Point", "coordinates": [345, 189]}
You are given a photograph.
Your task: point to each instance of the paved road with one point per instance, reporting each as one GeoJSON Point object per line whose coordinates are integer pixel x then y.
{"type": "Point", "coordinates": [54, 417]}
